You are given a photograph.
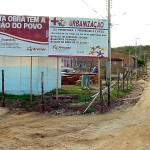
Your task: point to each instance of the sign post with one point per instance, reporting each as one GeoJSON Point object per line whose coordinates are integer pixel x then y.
{"type": "Point", "coordinates": [31, 79]}
{"type": "Point", "coordinates": [57, 75]}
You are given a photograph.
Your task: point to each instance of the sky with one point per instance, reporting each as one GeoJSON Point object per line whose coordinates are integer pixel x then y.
{"type": "Point", "coordinates": [130, 19]}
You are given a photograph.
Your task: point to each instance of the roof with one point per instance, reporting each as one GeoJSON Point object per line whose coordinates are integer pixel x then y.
{"type": "Point", "coordinates": [121, 56]}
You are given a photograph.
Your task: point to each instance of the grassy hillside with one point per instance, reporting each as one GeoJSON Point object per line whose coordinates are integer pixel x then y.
{"type": "Point", "coordinates": [140, 50]}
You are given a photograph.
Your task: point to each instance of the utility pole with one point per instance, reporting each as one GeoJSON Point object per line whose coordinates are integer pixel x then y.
{"type": "Point", "coordinates": [108, 64]}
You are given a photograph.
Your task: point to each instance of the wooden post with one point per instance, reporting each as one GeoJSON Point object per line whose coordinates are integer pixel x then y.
{"type": "Point", "coordinates": [99, 80]}
{"type": "Point", "coordinates": [130, 76]}
{"type": "Point", "coordinates": [118, 82]}
{"type": "Point", "coordinates": [127, 86]}
{"type": "Point", "coordinates": [91, 66]}
{"type": "Point", "coordinates": [146, 67]}
{"type": "Point", "coordinates": [100, 85]}
{"type": "Point", "coordinates": [123, 81]}
{"type": "Point", "coordinates": [101, 96]}
{"type": "Point", "coordinates": [31, 79]}
{"type": "Point", "coordinates": [57, 74]}
{"type": "Point", "coordinates": [42, 88]}
{"type": "Point", "coordinates": [3, 92]}
{"type": "Point", "coordinates": [99, 65]}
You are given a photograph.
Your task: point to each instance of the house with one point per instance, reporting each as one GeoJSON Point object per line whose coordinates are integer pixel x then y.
{"type": "Point", "coordinates": [122, 59]}
{"type": "Point", "coordinates": [116, 58]}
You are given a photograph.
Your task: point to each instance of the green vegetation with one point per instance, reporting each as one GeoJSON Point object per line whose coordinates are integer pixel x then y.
{"type": "Point", "coordinates": [25, 97]}
{"type": "Point", "coordinates": [139, 50]}
{"type": "Point", "coordinates": [121, 92]}
{"type": "Point", "coordinates": [141, 62]}
{"type": "Point", "coordinates": [142, 52]}
{"type": "Point", "coordinates": [18, 101]}
{"type": "Point", "coordinates": [81, 97]}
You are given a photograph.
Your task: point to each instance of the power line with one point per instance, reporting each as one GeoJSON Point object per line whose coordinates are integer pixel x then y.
{"type": "Point", "coordinates": [92, 8]}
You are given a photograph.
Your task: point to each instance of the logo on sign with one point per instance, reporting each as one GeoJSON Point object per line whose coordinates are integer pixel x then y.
{"type": "Point", "coordinates": [60, 22]}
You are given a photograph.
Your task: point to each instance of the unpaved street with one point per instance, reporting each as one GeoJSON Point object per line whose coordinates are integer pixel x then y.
{"type": "Point", "coordinates": [125, 128]}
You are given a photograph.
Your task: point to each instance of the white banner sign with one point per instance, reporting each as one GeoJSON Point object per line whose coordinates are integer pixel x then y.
{"type": "Point", "coordinates": [24, 35]}
{"type": "Point", "coordinates": [78, 37]}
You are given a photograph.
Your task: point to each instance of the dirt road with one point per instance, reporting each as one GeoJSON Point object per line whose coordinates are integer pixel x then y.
{"type": "Point", "coordinates": [125, 128]}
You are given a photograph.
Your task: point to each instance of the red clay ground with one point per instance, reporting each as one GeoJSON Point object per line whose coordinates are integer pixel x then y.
{"type": "Point", "coordinates": [124, 128]}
